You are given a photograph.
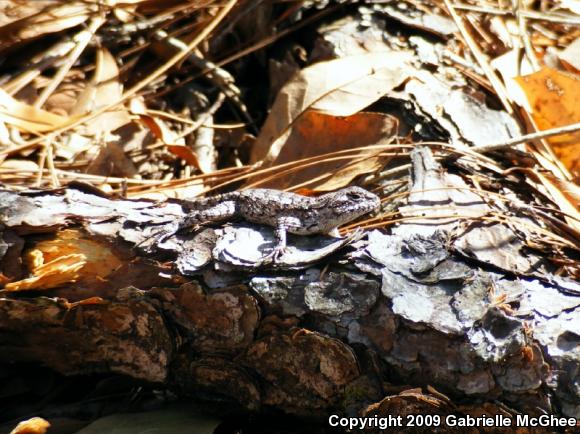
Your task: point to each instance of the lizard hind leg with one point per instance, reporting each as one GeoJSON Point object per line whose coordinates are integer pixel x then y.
{"type": "Point", "coordinates": [197, 214]}
{"type": "Point", "coordinates": [195, 219]}
{"type": "Point", "coordinates": [191, 222]}
{"type": "Point", "coordinates": [280, 247]}
{"type": "Point", "coordinates": [217, 212]}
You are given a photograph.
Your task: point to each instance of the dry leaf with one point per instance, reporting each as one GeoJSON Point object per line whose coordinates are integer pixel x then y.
{"type": "Point", "coordinates": [24, 166]}
{"type": "Point", "coordinates": [65, 97]}
{"type": "Point", "coordinates": [28, 118]}
{"type": "Point", "coordinates": [160, 130]}
{"type": "Point", "coordinates": [553, 102]}
{"type": "Point", "coordinates": [58, 17]}
{"type": "Point", "coordinates": [317, 133]}
{"type": "Point", "coordinates": [34, 425]}
{"type": "Point", "coordinates": [11, 11]}
{"type": "Point", "coordinates": [340, 87]}
{"type": "Point", "coordinates": [103, 90]}
{"type": "Point", "coordinates": [185, 153]}
{"type": "Point", "coordinates": [112, 161]}
{"type": "Point", "coordinates": [73, 145]}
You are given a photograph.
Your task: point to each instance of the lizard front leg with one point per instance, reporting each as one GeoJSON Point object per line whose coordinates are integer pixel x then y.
{"type": "Point", "coordinates": [280, 233]}
{"type": "Point", "coordinates": [283, 224]}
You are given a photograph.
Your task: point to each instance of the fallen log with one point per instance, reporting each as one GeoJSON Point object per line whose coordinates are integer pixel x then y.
{"type": "Point", "coordinates": [453, 318]}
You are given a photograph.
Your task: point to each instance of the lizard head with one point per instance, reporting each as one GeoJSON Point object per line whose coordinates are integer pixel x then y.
{"type": "Point", "coordinates": [349, 203]}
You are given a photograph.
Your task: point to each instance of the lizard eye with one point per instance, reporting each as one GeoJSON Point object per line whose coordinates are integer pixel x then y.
{"type": "Point", "coordinates": [354, 196]}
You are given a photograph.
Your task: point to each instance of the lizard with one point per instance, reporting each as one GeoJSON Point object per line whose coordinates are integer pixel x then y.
{"type": "Point", "coordinates": [286, 212]}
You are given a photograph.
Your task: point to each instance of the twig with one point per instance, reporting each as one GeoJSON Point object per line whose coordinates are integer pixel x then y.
{"type": "Point", "coordinates": [554, 18]}
{"type": "Point", "coordinates": [521, 139]}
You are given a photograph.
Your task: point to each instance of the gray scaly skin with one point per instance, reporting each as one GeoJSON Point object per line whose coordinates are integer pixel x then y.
{"type": "Point", "coordinates": [284, 211]}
